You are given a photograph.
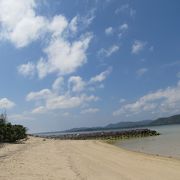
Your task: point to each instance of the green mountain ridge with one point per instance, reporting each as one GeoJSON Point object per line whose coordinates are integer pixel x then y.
{"type": "Point", "coordinates": [166, 120]}
{"type": "Point", "coordinates": [175, 119]}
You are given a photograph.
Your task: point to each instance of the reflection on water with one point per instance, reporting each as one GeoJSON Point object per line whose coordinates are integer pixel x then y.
{"type": "Point", "coordinates": [167, 144]}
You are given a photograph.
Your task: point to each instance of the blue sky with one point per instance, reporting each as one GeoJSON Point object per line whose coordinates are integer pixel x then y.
{"type": "Point", "coordinates": [68, 64]}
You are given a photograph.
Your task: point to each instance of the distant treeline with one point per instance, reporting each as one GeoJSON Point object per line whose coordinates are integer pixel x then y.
{"type": "Point", "coordinates": [9, 132]}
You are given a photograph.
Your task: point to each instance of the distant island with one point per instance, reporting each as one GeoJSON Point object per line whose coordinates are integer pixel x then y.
{"type": "Point", "coordinates": [123, 125]}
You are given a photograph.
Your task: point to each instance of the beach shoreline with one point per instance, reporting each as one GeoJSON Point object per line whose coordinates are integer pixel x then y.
{"type": "Point", "coordinates": [40, 158]}
{"type": "Point", "coordinates": [146, 153]}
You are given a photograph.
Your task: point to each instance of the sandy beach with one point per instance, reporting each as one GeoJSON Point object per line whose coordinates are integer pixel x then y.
{"type": "Point", "coordinates": [39, 159]}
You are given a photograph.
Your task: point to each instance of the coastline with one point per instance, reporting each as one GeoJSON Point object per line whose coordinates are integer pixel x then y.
{"type": "Point", "coordinates": [146, 153]}
{"type": "Point", "coordinates": [39, 158]}
{"type": "Point", "coordinates": [166, 145]}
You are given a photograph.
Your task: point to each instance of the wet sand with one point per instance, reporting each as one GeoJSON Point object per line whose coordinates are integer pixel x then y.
{"type": "Point", "coordinates": [37, 159]}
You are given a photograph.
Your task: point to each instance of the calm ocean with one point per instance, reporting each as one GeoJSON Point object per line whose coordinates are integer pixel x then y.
{"type": "Point", "coordinates": [167, 144]}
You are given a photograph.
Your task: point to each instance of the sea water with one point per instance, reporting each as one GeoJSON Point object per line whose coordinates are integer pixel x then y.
{"type": "Point", "coordinates": [166, 144]}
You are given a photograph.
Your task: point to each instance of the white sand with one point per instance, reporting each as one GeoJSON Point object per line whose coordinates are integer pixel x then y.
{"type": "Point", "coordinates": [56, 160]}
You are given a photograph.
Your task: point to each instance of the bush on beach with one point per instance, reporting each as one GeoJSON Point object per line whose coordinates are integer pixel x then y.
{"type": "Point", "coordinates": [11, 133]}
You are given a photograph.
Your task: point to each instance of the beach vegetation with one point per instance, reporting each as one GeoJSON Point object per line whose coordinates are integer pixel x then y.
{"type": "Point", "coordinates": [9, 132]}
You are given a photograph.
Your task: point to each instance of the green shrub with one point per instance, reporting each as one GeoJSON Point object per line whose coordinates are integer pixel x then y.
{"type": "Point", "coordinates": [11, 133]}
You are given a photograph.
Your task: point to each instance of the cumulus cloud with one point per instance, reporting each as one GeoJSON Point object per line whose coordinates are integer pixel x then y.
{"type": "Point", "coordinates": [124, 27]}
{"type": "Point", "coordinates": [19, 22]}
{"type": "Point", "coordinates": [109, 31]}
{"type": "Point", "coordinates": [58, 84]}
{"type": "Point", "coordinates": [90, 111]}
{"type": "Point", "coordinates": [101, 77]}
{"type": "Point", "coordinates": [76, 83]}
{"type": "Point", "coordinates": [138, 46]}
{"type": "Point", "coordinates": [28, 69]}
{"type": "Point", "coordinates": [64, 57]}
{"type": "Point", "coordinates": [161, 101]}
{"type": "Point", "coordinates": [64, 52]}
{"type": "Point", "coordinates": [21, 25]}
{"type": "Point", "coordinates": [6, 103]}
{"type": "Point", "coordinates": [39, 110]}
{"type": "Point", "coordinates": [141, 72]}
{"type": "Point", "coordinates": [66, 95]}
{"type": "Point", "coordinates": [42, 94]}
{"type": "Point", "coordinates": [54, 101]}
{"type": "Point", "coordinates": [108, 52]}
{"type": "Point", "coordinates": [58, 24]}
{"type": "Point", "coordinates": [67, 102]}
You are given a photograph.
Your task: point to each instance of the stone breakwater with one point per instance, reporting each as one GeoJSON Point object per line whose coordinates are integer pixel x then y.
{"type": "Point", "coordinates": [105, 135]}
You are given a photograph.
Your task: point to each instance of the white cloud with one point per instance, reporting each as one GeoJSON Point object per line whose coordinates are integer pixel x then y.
{"type": "Point", "coordinates": [58, 84]}
{"type": "Point", "coordinates": [141, 72]}
{"type": "Point", "coordinates": [124, 27]}
{"type": "Point", "coordinates": [90, 111]}
{"type": "Point", "coordinates": [109, 31]}
{"type": "Point", "coordinates": [73, 24]}
{"type": "Point", "coordinates": [58, 25]}
{"type": "Point", "coordinates": [72, 94]}
{"type": "Point", "coordinates": [6, 103]}
{"type": "Point", "coordinates": [138, 46]}
{"type": "Point", "coordinates": [82, 22]}
{"type": "Point", "coordinates": [126, 9]}
{"type": "Point", "coordinates": [21, 25]}
{"type": "Point", "coordinates": [108, 52]}
{"type": "Point", "coordinates": [67, 102]}
{"type": "Point", "coordinates": [53, 100]}
{"type": "Point", "coordinates": [120, 30]}
{"type": "Point", "coordinates": [28, 69]}
{"type": "Point", "coordinates": [64, 57]}
{"type": "Point", "coordinates": [42, 68]}
{"type": "Point", "coordinates": [76, 83]}
{"type": "Point", "coordinates": [101, 77]}
{"type": "Point", "coordinates": [75, 95]}
{"type": "Point", "coordinates": [19, 22]}
{"type": "Point", "coordinates": [43, 94]}
{"type": "Point", "coordinates": [161, 101]}
{"type": "Point", "coordinates": [122, 9]}
{"type": "Point", "coordinates": [39, 110]}
{"type": "Point", "coordinates": [88, 19]}
{"type": "Point", "coordinates": [112, 50]}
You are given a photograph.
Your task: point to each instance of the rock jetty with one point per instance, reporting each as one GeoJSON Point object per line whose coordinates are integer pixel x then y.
{"type": "Point", "coordinates": [104, 134]}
